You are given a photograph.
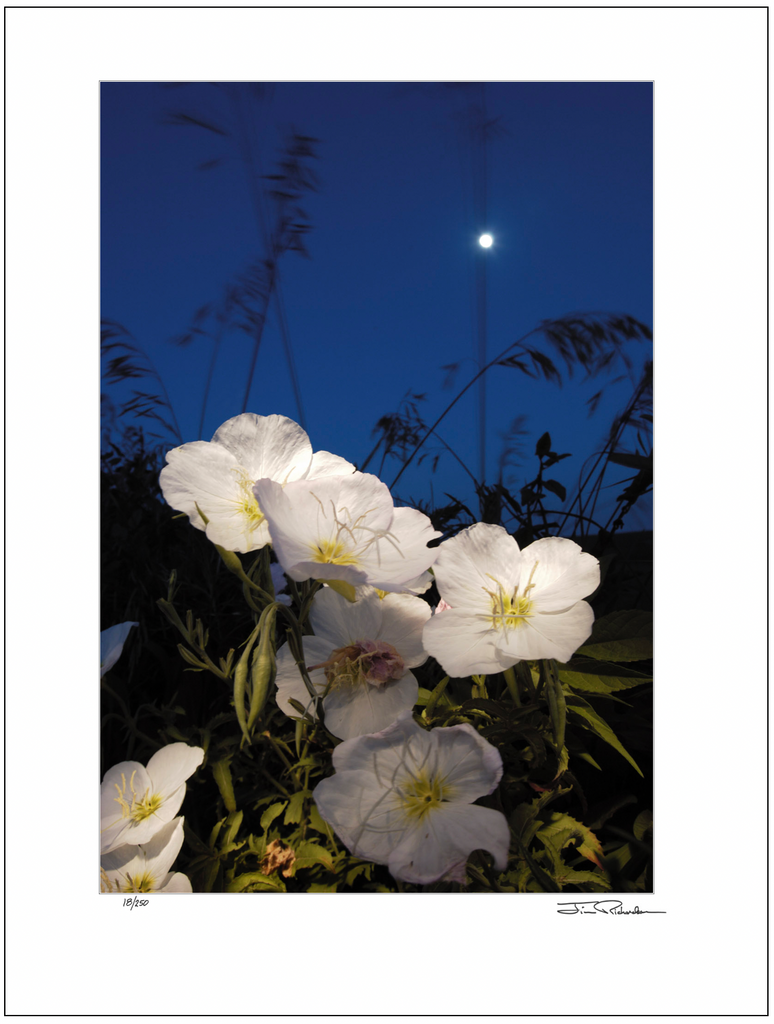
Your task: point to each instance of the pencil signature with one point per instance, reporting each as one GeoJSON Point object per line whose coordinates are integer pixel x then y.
{"type": "Point", "coordinates": [601, 907]}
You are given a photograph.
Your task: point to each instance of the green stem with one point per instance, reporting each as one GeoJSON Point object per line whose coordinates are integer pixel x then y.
{"type": "Point", "coordinates": [304, 612]}
{"type": "Point", "coordinates": [556, 702]}
{"type": "Point", "coordinates": [280, 788]}
{"type": "Point", "coordinates": [513, 689]}
{"type": "Point", "coordinates": [279, 751]}
{"type": "Point", "coordinates": [525, 675]}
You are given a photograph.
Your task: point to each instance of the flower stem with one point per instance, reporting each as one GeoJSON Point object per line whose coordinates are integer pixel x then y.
{"type": "Point", "coordinates": [556, 702]}
{"type": "Point", "coordinates": [513, 689]}
{"type": "Point", "coordinates": [278, 750]}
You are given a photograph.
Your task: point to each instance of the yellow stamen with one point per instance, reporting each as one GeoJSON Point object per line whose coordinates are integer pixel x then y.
{"type": "Point", "coordinates": [510, 611]}
{"type": "Point", "coordinates": [332, 552]}
{"type": "Point", "coordinates": [247, 505]}
{"type": "Point", "coordinates": [346, 546]}
{"type": "Point", "coordinates": [421, 793]}
{"type": "Point", "coordinates": [140, 883]}
{"type": "Point", "coordinates": [139, 808]}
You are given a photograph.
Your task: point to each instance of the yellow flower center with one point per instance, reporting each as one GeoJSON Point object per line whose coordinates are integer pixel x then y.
{"type": "Point", "coordinates": [509, 611]}
{"type": "Point", "coordinates": [352, 538]}
{"type": "Point", "coordinates": [139, 883]}
{"type": "Point", "coordinates": [247, 505]}
{"type": "Point", "coordinates": [332, 552]}
{"type": "Point", "coordinates": [421, 793]}
{"type": "Point", "coordinates": [138, 808]}
{"type": "Point", "coordinates": [365, 662]}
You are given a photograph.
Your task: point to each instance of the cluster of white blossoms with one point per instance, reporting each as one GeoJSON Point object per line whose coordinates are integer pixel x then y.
{"type": "Point", "coordinates": [401, 796]}
{"type": "Point", "coordinates": [216, 477]}
{"type": "Point", "coordinates": [140, 835]}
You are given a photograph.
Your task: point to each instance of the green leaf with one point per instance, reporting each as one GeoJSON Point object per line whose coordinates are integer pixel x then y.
{"type": "Point", "coordinates": [556, 488]}
{"type": "Point", "coordinates": [257, 882]}
{"type": "Point", "coordinates": [594, 881]}
{"type": "Point", "coordinates": [621, 636]}
{"type": "Point", "coordinates": [316, 822]}
{"type": "Point", "coordinates": [194, 841]}
{"type": "Point", "coordinates": [523, 823]}
{"type": "Point", "coordinates": [222, 774]}
{"type": "Point", "coordinates": [425, 695]}
{"type": "Point", "coordinates": [554, 843]}
{"type": "Point", "coordinates": [593, 676]}
{"type": "Point", "coordinates": [543, 447]}
{"type": "Point", "coordinates": [575, 832]}
{"type": "Point", "coordinates": [308, 854]}
{"type": "Point", "coordinates": [295, 810]}
{"type": "Point", "coordinates": [271, 813]}
{"type": "Point", "coordinates": [584, 755]}
{"type": "Point", "coordinates": [643, 825]}
{"type": "Point", "coordinates": [596, 724]}
{"type": "Point", "coordinates": [541, 877]}
{"type": "Point", "coordinates": [316, 887]}
{"type": "Point", "coordinates": [358, 869]}
{"type": "Point", "coordinates": [631, 461]}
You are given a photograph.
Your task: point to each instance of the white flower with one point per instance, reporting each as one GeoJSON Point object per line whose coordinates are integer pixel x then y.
{"type": "Point", "coordinates": [111, 642]}
{"type": "Point", "coordinates": [218, 475]}
{"type": "Point", "coordinates": [503, 605]}
{"type": "Point", "coordinates": [417, 586]}
{"type": "Point", "coordinates": [136, 802]}
{"type": "Point", "coordinates": [403, 797]}
{"type": "Point", "coordinates": [346, 528]}
{"type": "Point", "coordinates": [145, 868]}
{"type": "Point", "coordinates": [359, 658]}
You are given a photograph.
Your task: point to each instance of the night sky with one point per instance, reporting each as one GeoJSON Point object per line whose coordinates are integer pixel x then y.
{"type": "Point", "coordinates": [387, 298]}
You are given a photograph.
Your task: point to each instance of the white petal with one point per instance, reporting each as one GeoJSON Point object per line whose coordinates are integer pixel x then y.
{"type": "Point", "coordinates": [204, 474]}
{"type": "Point", "coordinates": [403, 619]}
{"type": "Point", "coordinates": [326, 464]}
{"type": "Point", "coordinates": [441, 843]}
{"type": "Point", "coordinates": [468, 764]}
{"type": "Point", "coordinates": [124, 860]}
{"type": "Point", "coordinates": [464, 645]}
{"type": "Point", "coordinates": [341, 622]}
{"type": "Point", "coordinates": [353, 711]}
{"type": "Point", "coordinates": [470, 566]}
{"type": "Point", "coordinates": [112, 643]}
{"type": "Point", "coordinates": [162, 850]}
{"type": "Point", "coordinates": [172, 765]}
{"type": "Point", "coordinates": [363, 813]}
{"type": "Point", "coordinates": [289, 680]}
{"type": "Point", "coordinates": [562, 573]}
{"type": "Point", "coordinates": [116, 790]}
{"type": "Point", "coordinates": [238, 532]}
{"type": "Point", "coordinates": [556, 635]}
{"type": "Point", "coordinates": [399, 558]}
{"type": "Point", "coordinates": [420, 585]}
{"type": "Point", "coordinates": [177, 882]}
{"type": "Point", "coordinates": [266, 446]}
{"type": "Point", "coordinates": [401, 744]}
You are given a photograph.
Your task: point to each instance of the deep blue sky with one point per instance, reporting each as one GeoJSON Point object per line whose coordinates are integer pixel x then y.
{"type": "Point", "coordinates": [388, 295]}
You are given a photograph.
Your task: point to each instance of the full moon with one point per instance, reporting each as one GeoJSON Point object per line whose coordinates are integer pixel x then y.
{"type": "Point", "coordinates": [485, 241]}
